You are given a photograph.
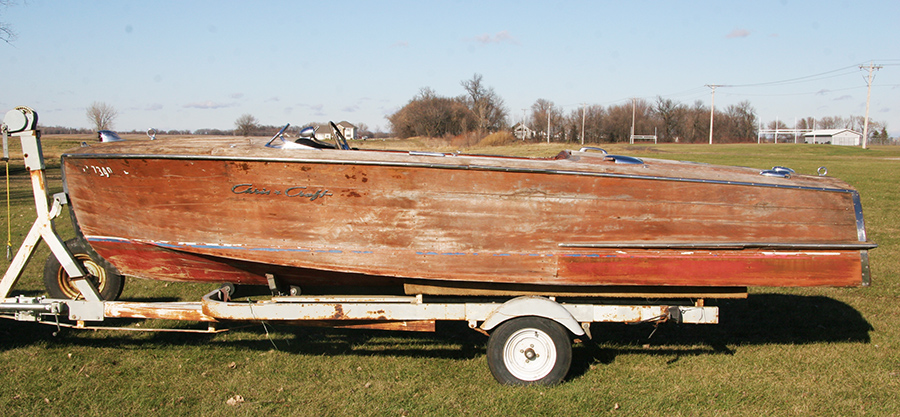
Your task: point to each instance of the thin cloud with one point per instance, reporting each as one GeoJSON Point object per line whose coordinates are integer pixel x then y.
{"type": "Point", "coordinates": [149, 107]}
{"type": "Point", "coordinates": [237, 95]}
{"type": "Point", "coordinates": [738, 33]}
{"type": "Point", "coordinates": [350, 109]}
{"type": "Point", "coordinates": [315, 109]}
{"type": "Point", "coordinates": [207, 105]}
{"type": "Point", "coordinates": [822, 92]}
{"type": "Point", "coordinates": [500, 37]}
{"type": "Point", "coordinates": [400, 44]}
{"type": "Point", "coordinates": [845, 97]}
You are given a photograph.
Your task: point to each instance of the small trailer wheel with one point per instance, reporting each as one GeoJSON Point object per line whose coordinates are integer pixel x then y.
{"type": "Point", "coordinates": [529, 350]}
{"type": "Point", "coordinates": [104, 277]}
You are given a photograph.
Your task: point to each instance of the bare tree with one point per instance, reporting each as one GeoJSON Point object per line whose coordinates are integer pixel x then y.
{"type": "Point", "coordinates": [829, 122]}
{"type": "Point", "coordinates": [101, 115]}
{"type": "Point", "coordinates": [6, 33]}
{"type": "Point", "coordinates": [806, 123]}
{"type": "Point", "coordinates": [487, 106]}
{"type": "Point", "coordinates": [541, 110]}
{"type": "Point", "coordinates": [618, 122]}
{"type": "Point", "coordinates": [778, 124]}
{"type": "Point", "coordinates": [594, 123]}
{"type": "Point", "coordinates": [245, 125]}
{"type": "Point", "coordinates": [431, 115]}
{"type": "Point", "coordinates": [740, 123]}
{"type": "Point", "coordinates": [671, 114]}
{"type": "Point", "coordinates": [697, 123]}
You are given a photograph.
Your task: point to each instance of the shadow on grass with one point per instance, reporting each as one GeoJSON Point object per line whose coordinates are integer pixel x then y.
{"type": "Point", "coordinates": [757, 320]}
{"type": "Point", "coordinates": [761, 319]}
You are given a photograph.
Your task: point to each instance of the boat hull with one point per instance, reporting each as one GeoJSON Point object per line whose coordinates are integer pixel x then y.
{"type": "Point", "coordinates": [327, 217]}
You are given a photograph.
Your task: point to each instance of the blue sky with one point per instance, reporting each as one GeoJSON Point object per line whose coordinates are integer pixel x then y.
{"type": "Point", "coordinates": [202, 64]}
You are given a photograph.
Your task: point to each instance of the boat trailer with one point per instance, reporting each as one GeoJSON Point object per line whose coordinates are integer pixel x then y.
{"type": "Point", "coordinates": [530, 337]}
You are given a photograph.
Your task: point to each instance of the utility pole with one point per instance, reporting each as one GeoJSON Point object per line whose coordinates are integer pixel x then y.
{"type": "Point", "coordinates": [759, 133]}
{"type": "Point", "coordinates": [548, 126]}
{"type": "Point", "coordinates": [712, 110]}
{"type": "Point", "coordinates": [776, 130]}
{"type": "Point", "coordinates": [872, 67]}
{"type": "Point", "coordinates": [631, 139]}
{"type": "Point", "coordinates": [582, 122]}
{"type": "Point", "coordinates": [524, 131]}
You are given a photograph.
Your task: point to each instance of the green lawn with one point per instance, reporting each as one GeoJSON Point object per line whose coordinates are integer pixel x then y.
{"type": "Point", "coordinates": [817, 351]}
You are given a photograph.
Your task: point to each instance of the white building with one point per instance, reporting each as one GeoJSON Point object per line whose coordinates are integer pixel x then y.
{"type": "Point", "coordinates": [347, 129]}
{"type": "Point", "coordinates": [325, 132]}
{"type": "Point", "coordinates": [845, 137]}
{"type": "Point", "coordinates": [522, 132]}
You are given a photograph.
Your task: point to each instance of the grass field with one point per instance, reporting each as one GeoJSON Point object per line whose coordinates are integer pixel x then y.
{"type": "Point", "coordinates": [817, 351]}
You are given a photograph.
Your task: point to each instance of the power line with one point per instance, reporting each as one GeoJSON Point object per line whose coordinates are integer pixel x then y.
{"type": "Point", "coordinates": [823, 91]}
{"type": "Point", "coordinates": [795, 80]}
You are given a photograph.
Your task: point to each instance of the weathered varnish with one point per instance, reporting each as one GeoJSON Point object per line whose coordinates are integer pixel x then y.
{"type": "Point", "coordinates": [233, 210]}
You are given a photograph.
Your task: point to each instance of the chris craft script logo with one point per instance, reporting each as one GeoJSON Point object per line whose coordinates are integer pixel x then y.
{"type": "Point", "coordinates": [293, 192]}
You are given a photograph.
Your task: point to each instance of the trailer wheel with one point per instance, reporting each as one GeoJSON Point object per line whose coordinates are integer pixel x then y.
{"type": "Point", "coordinates": [529, 350]}
{"type": "Point", "coordinates": [103, 275]}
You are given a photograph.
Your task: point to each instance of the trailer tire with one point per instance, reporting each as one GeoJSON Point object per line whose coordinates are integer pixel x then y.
{"type": "Point", "coordinates": [103, 275]}
{"type": "Point", "coordinates": [529, 351]}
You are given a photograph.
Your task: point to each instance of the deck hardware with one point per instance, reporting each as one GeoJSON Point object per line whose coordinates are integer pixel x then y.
{"type": "Point", "coordinates": [778, 171]}
{"type": "Point", "coordinates": [108, 136]}
{"type": "Point", "coordinates": [773, 173]}
{"type": "Point", "coordinates": [593, 149]}
{"type": "Point", "coordinates": [274, 285]}
{"type": "Point", "coordinates": [621, 159]}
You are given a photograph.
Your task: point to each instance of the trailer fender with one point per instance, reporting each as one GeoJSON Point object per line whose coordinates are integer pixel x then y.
{"type": "Point", "coordinates": [533, 306]}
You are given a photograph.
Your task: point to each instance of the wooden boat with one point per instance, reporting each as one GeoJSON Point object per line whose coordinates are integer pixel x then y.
{"type": "Point", "coordinates": [582, 223]}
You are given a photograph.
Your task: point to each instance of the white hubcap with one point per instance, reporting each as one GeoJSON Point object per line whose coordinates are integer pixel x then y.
{"type": "Point", "coordinates": [529, 354]}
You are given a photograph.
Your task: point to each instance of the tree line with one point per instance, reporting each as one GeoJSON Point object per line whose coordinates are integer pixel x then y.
{"type": "Point", "coordinates": [480, 110]}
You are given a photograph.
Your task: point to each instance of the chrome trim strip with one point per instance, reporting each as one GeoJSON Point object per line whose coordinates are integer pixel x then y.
{"type": "Point", "coordinates": [866, 274]}
{"type": "Point", "coordinates": [721, 245]}
{"type": "Point", "coordinates": [422, 153]}
{"type": "Point", "coordinates": [860, 222]}
{"type": "Point", "coordinates": [447, 166]}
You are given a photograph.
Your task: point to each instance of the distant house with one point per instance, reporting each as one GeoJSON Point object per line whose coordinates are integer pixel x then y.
{"type": "Point", "coordinates": [522, 132]}
{"type": "Point", "coordinates": [347, 129]}
{"type": "Point", "coordinates": [845, 137]}
{"type": "Point", "coordinates": [325, 132]}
